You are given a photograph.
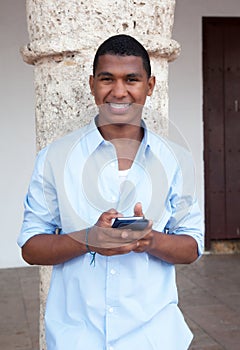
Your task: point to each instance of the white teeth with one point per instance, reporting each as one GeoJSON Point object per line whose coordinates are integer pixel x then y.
{"type": "Point", "coordinates": [119, 105]}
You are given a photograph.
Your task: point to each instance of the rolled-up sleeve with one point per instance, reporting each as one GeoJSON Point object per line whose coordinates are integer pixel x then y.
{"type": "Point", "coordinates": [38, 218]}
{"type": "Point", "coordinates": [186, 215]}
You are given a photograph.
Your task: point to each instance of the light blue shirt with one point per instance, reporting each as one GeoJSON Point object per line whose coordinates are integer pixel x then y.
{"type": "Point", "coordinates": [126, 301]}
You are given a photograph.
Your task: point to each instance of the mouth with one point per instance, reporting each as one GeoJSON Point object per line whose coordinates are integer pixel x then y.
{"type": "Point", "coordinates": [118, 108]}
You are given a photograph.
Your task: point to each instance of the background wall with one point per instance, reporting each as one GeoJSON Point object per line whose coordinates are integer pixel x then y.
{"type": "Point", "coordinates": [17, 134]}
{"type": "Point", "coordinates": [17, 130]}
{"type": "Point", "coordinates": [185, 76]}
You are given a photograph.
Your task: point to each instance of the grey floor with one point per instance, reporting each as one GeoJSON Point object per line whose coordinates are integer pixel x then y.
{"type": "Point", "coordinates": [209, 292]}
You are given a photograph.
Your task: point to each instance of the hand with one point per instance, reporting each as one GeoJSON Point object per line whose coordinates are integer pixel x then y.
{"type": "Point", "coordinates": [103, 236]}
{"type": "Point", "coordinates": [105, 240]}
{"type": "Point", "coordinates": [137, 241]}
{"type": "Point", "coordinates": [120, 241]}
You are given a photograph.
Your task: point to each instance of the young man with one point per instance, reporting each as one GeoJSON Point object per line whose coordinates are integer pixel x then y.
{"type": "Point", "coordinates": [113, 288]}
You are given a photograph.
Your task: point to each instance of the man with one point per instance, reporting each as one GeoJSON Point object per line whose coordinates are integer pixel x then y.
{"type": "Point", "coordinates": [113, 288]}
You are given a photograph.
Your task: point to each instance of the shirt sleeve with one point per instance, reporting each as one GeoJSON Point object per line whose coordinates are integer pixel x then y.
{"type": "Point", "coordinates": [191, 224]}
{"type": "Point", "coordinates": [186, 217]}
{"type": "Point", "coordinates": [38, 218]}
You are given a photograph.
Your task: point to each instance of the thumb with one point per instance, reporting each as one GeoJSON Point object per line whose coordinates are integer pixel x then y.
{"type": "Point", "coordinates": [138, 209]}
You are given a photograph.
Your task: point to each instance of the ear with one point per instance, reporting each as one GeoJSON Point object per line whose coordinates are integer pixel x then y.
{"type": "Point", "coordinates": [151, 84]}
{"type": "Point", "coordinates": [91, 84]}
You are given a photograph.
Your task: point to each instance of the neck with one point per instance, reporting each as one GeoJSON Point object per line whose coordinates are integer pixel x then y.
{"type": "Point", "coordinates": [126, 140]}
{"type": "Point", "coordinates": [127, 132]}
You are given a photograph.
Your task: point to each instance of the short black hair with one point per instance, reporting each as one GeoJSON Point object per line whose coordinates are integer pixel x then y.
{"type": "Point", "coordinates": [123, 45]}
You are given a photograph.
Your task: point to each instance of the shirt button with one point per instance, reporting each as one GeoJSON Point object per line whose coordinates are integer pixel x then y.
{"type": "Point", "coordinates": [110, 310]}
{"type": "Point", "coordinates": [110, 348]}
{"type": "Point", "coordinates": [112, 272]}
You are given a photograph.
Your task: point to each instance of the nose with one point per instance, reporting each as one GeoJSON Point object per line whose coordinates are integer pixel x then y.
{"type": "Point", "coordinates": [119, 89]}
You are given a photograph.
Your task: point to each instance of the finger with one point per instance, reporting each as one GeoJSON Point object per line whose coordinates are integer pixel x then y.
{"type": "Point", "coordinates": [138, 209]}
{"type": "Point", "coordinates": [113, 214]}
{"type": "Point", "coordinates": [138, 247]}
{"type": "Point", "coordinates": [148, 229]}
{"type": "Point", "coordinates": [107, 217]}
{"type": "Point", "coordinates": [123, 249]}
{"type": "Point", "coordinates": [142, 246]}
{"type": "Point", "coordinates": [131, 235]}
{"type": "Point", "coordinates": [114, 238]}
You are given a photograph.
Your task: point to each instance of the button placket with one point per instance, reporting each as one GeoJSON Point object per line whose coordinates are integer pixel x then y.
{"type": "Point", "coordinates": [112, 298]}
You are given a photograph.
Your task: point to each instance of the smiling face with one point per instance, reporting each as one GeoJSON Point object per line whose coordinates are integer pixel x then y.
{"type": "Point", "coordinates": [120, 87]}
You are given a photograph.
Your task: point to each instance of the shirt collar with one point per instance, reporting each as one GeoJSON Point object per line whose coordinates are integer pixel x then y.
{"type": "Point", "coordinates": [95, 138]}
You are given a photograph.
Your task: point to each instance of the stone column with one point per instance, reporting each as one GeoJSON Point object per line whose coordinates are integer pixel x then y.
{"type": "Point", "coordinates": [63, 38]}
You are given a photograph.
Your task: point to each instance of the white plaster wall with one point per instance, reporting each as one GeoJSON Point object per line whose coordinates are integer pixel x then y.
{"type": "Point", "coordinates": [185, 76]}
{"type": "Point", "coordinates": [17, 130]}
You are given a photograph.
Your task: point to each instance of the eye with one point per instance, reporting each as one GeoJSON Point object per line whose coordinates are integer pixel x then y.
{"type": "Point", "coordinates": [106, 79]}
{"type": "Point", "coordinates": [132, 80]}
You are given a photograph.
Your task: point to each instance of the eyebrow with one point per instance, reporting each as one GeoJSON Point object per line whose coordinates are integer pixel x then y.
{"type": "Point", "coordinates": [105, 74]}
{"type": "Point", "coordinates": [130, 75]}
{"type": "Point", "coordinates": [134, 75]}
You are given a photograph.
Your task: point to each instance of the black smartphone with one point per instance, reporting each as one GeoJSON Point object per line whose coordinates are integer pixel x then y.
{"type": "Point", "coordinates": [137, 223]}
